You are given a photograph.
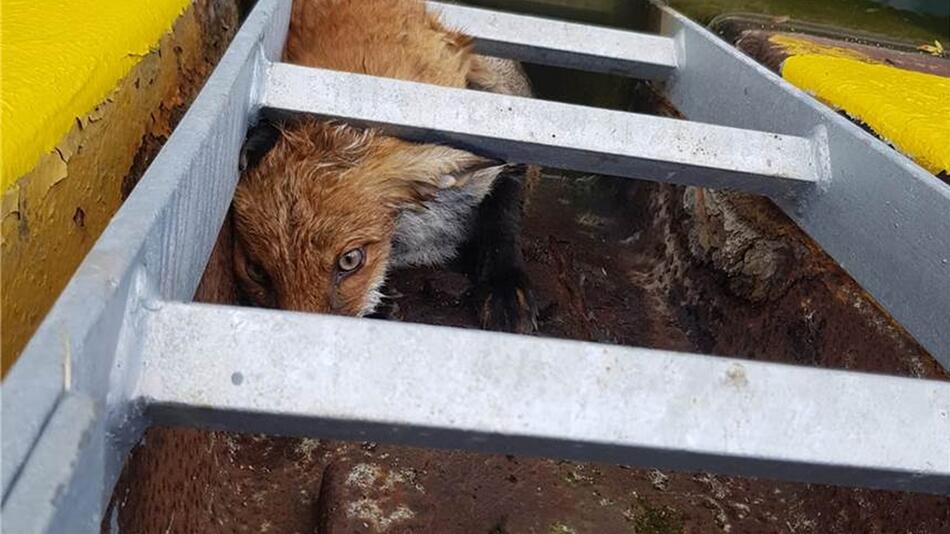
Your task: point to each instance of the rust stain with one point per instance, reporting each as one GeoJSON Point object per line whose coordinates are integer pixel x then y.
{"type": "Point", "coordinates": [52, 216]}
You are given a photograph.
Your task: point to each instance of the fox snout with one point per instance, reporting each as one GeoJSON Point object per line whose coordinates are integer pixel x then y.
{"type": "Point", "coordinates": [359, 300]}
{"type": "Point", "coordinates": [270, 273]}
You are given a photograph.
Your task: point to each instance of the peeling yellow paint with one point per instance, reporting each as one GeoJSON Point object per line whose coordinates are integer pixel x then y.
{"type": "Point", "coordinates": [60, 59]}
{"type": "Point", "coordinates": [909, 109]}
{"type": "Point", "coordinates": [53, 213]}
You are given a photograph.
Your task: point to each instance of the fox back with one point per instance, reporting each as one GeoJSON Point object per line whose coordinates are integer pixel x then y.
{"type": "Point", "coordinates": [389, 38]}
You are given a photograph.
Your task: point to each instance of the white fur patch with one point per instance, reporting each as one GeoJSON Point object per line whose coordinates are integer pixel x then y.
{"type": "Point", "coordinates": [433, 235]}
{"type": "Point", "coordinates": [447, 181]}
{"type": "Point", "coordinates": [374, 295]}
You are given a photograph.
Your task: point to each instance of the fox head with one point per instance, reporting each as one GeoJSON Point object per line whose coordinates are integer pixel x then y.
{"type": "Point", "coordinates": [316, 209]}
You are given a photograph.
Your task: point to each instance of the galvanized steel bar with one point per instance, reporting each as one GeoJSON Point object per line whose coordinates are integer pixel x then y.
{"type": "Point", "coordinates": [62, 487]}
{"type": "Point", "coordinates": [559, 135]}
{"type": "Point", "coordinates": [253, 370]}
{"type": "Point", "coordinates": [882, 217]}
{"type": "Point", "coordinates": [878, 214]}
{"type": "Point", "coordinates": [562, 44]}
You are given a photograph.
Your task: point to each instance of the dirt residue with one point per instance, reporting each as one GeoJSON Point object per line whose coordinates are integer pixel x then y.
{"type": "Point", "coordinates": [615, 261]}
{"type": "Point", "coordinates": [757, 287]}
{"type": "Point", "coordinates": [612, 261]}
{"type": "Point", "coordinates": [217, 482]}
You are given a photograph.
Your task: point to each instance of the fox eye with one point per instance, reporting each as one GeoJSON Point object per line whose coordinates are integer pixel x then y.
{"type": "Point", "coordinates": [257, 273]}
{"type": "Point", "coordinates": [351, 260]}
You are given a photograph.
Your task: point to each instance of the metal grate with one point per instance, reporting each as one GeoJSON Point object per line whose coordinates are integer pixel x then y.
{"type": "Point", "coordinates": [123, 348]}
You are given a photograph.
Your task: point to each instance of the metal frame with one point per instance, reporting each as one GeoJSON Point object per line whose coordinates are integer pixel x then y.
{"type": "Point", "coordinates": [563, 44]}
{"type": "Point", "coordinates": [580, 138]}
{"type": "Point", "coordinates": [120, 347]}
{"type": "Point", "coordinates": [226, 367]}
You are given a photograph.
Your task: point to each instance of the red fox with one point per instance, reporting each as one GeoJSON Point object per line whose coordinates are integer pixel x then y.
{"type": "Point", "coordinates": [324, 210]}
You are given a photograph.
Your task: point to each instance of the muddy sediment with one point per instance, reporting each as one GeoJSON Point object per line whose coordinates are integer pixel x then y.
{"type": "Point", "coordinates": [612, 261]}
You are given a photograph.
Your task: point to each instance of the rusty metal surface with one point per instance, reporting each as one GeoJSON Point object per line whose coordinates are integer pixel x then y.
{"type": "Point", "coordinates": [656, 287]}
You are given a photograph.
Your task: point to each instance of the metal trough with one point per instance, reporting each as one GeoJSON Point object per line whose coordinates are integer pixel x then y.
{"type": "Point", "coordinates": [123, 347]}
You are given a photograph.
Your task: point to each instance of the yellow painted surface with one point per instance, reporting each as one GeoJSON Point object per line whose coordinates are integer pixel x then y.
{"type": "Point", "coordinates": [909, 109]}
{"type": "Point", "coordinates": [55, 211]}
{"type": "Point", "coordinates": [60, 58]}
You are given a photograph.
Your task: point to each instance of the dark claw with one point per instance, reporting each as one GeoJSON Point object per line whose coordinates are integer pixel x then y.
{"type": "Point", "coordinates": [507, 304]}
{"type": "Point", "coordinates": [504, 299]}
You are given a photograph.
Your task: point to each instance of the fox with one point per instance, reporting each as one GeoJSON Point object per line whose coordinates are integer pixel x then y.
{"type": "Point", "coordinates": [323, 211]}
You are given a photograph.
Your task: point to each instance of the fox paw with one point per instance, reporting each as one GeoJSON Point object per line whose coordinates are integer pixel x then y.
{"type": "Point", "coordinates": [507, 304]}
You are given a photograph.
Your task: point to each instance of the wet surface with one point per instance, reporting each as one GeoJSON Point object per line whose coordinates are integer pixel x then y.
{"type": "Point", "coordinates": [639, 264]}
{"type": "Point", "coordinates": [581, 246]}
{"type": "Point", "coordinates": [230, 483]}
{"type": "Point", "coordinates": [612, 261]}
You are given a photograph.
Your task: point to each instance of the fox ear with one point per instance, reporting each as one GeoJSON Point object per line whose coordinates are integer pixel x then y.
{"type": "Point", "coordinates": [260, 139]}
{"type": "Point", "coordinates": [424, 170]}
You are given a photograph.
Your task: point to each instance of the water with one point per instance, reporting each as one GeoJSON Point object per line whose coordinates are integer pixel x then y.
{"type": "Point", "coordinates": [922, 7]}
{"type": "Point", "coordinates": [914, 21]}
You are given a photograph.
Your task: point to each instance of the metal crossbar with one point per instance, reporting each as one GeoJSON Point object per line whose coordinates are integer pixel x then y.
{"type": "Point", "coordinates": [122, 347]}
{"type": "Point", "coordinates": [563, 44]}
{"type": "Point", "coordinates": [448, 387]}
{"type": "Point", "coordinates": [558, 135]}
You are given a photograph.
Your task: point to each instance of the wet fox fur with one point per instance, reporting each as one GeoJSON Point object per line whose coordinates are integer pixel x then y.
{"type": "Point", "coordinates": [324, 210]}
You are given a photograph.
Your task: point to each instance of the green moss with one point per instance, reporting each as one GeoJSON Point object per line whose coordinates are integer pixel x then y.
{"type": "Point", "coordinates": [861, 15]}
{"type": "Point", "coordinates": [648, 519]}
{"type": "Point", "coordinates": [561, 528]}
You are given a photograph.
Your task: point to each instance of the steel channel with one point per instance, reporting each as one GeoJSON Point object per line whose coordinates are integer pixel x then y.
{"type": "Point", "coordinates": [883, 218]}
{"type": "Point", "coordinates": [559, 135]}
{"type": "Point", "coordinates": [562, 44]}
{"type": "Point", "coordinates": [227, 368]}
{"type": "Point", "coordinates": [71, 450]}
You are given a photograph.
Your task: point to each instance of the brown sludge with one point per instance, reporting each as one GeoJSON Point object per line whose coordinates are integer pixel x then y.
{"type": "Point", "coordinates": [612, 261]}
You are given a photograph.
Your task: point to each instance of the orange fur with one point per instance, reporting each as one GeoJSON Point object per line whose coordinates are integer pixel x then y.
{"type": "Point", "coordinates": [390, 38]}
{"type": "Point", "coordinates": [325, 189]}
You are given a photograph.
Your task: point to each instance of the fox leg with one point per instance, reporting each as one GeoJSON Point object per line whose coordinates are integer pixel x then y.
{"type": "Point", "coordinates": [503, 294]}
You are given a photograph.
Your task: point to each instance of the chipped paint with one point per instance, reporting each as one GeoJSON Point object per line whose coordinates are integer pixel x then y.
{"type": "Point", "coordinates": [60, 60]}
{"type": "Point", "coordinates": [43, 240]}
